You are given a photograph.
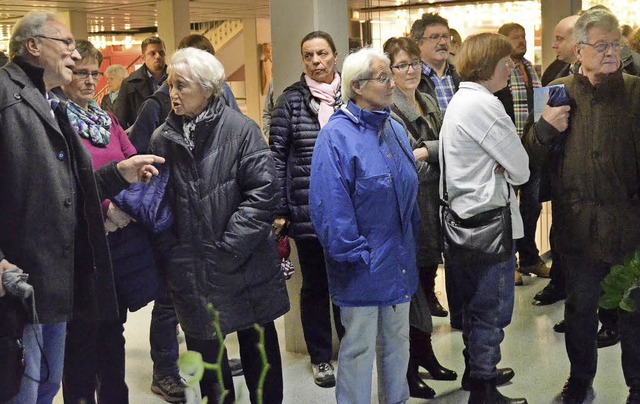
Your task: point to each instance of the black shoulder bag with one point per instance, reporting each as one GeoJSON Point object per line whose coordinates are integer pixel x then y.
{"type": "Point", "coordinates": [483, 239]}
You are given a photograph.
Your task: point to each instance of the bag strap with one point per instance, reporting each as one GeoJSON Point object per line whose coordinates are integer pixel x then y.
{"type": "Point", "coordinates": [445, 195]}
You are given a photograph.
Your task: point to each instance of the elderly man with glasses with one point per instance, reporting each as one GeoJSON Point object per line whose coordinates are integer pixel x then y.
{"type": "Point", "coordinates": [50, 207]}
{"type": "Point", "coordinates": [595, 186]}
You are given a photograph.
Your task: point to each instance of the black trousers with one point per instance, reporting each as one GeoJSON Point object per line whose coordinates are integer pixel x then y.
{"type": "Point", "coordinates": [581, 317]}
{"type": "Point", "coordinates": [315, 302]}
{"type": "Point", "coordinates": [251, 365]}
{"type": "Point", "coordinates": [94, 362]}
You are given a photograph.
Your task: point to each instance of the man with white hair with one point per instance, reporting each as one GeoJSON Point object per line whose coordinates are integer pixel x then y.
{"type": "Point", "coordinates": [50, 207]}
{"type": "Point", "coordinates": [595, 187]}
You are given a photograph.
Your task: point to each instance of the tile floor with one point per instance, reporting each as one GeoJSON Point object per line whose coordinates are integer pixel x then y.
{"type": "Point", "coordinates": [531, 347]}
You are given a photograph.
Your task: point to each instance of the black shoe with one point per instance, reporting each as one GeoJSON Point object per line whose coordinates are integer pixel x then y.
{"type": "Point", "coordinates": [435, 369]}
{"type": "Point", "coordinates": [560, 326]}
{"type": "Point", "coordinates": [504, 375]}
{"type": "Point", "coordinates": [417, 387]}
{"type": "Point", "coordinates": [435, 307]}
{"type": "Point", "coordinates": [607, 337]}
{"type": "Point", "coordinates": [634, 396]}
{"type": "Point", "coordinates": [549, 295]}
{"type": "Point", "coordinates": [575, 391]}
{"type": "Point", "coordinates": [485, 392]}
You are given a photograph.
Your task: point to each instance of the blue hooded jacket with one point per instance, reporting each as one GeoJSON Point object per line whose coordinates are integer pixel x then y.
{"type": "Point", "coordinates": [363, 204]}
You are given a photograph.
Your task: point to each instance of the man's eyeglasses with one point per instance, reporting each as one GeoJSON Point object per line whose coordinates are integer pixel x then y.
{"type": "Point", "coordinates": [602, 47]}
{"type": "Point", "coordinates": [403, 67]}
{"type": "Point", "coordinates": [382, 79]}
{"type": "Point", "coordinates": [70, 43]}
{"type": "Point", "coordinates": [437, 38]}
{"type": "Point", "coordinates": [83, 75]}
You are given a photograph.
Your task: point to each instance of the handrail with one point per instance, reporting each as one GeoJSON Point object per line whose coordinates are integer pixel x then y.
{"type": "Point", "coordinates": [100, 93]}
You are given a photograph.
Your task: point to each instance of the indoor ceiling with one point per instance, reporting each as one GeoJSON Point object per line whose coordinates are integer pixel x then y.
{"type": "Point", "coordinates": [119, 15]}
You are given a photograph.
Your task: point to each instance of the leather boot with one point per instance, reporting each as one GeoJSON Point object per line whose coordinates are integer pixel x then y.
{"type": "Point", "coordinates": [485, 392]}
{"type": "Point", "coordinates": [503, 376]}
{"type": "Point", "coordinates": [437, 371]}
{"type": "Point", "coordinates": [417, 387]}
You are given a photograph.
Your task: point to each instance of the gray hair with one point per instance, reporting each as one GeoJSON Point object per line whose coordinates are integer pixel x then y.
{"type": "Point", "coordinates": [116, 71]}
{"type": "Point", "coordinates": [591, 18]}
{"type": "Point", "coordinates": [32, 24]}
{"type": "Point", "coordinates": [198, 66]}
{"type": "Point", "coordinates": [357, 66]}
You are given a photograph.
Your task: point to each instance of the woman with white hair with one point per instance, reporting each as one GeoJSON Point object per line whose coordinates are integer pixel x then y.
{"type": "Point", "coordinates": [219, 251]}
{"type": "Point", "coordinates": [363, 204]}
{"type": "Point", "coordinates": [114, 75]}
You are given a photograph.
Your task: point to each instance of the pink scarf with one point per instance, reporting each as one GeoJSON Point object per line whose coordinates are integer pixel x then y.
{"type": "Point", "coordinates": [326, 93]}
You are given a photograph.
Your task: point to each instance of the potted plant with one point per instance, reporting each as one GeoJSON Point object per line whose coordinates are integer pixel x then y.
{"type": "Point", "coordinates": [622, 286]}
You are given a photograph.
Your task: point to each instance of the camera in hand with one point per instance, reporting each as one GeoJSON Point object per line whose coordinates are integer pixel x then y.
{"type": "Point", "coordinates": [15, 283]}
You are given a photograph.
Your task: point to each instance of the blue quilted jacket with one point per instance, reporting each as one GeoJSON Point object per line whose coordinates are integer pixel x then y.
{"type": "Point", "coordinates": [363, 204]}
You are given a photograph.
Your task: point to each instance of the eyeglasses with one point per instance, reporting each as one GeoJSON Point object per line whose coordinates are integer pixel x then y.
{"type": "Point", "coordinates": [437, 38]}
{"type": "Point", "coordinates": [70, 43]}
{"type": "Point", "coordinates": [83, 75]}
{"type": "Point", "coordinates": [383, 79]}
{"type": "Point", "coordinates": [403, 67]}
{"type": "Point", "coordinates": [602, 47]}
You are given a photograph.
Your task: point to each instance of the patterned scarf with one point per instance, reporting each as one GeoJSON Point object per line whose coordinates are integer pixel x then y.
{"type": "Point", "coordinates": [189, 125]}
{"type": "Point", "coordinates": [519, 93]}
{"type": "Point", "coordinates": [92, 123]}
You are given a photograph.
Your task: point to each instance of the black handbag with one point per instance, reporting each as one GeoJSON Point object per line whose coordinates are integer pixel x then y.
{"type": "Point", "coordinates": [483, 239]}
{"type": "Point", "coordinates": [13, 317]}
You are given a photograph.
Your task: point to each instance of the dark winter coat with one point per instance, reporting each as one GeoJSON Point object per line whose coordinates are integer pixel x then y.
{"type": "Point", "coordinates": [292, 137]}
{"type": "Point", "coordinates": [133, 91]}
{"type": "Point", "coordinates": [424, 131]}
{"type": "Point", "coordinates": [50, 204]}
{"type": "Point", "coordinates": [219, 250]}
{"type": "Point", "coordinates": [595, 184]}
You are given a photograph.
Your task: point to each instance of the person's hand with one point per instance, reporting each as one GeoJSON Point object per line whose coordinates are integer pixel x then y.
{"type": "Point", "coordinates": [116, 216]}
{"type": "Point", "coordinates": [499, 169]}
{"type": "Point", "coordinates": [278, 225]}
{"type": "Point", "coordinates": [109, 226]}
{"type": "Point", "coordinates": [421, 154]}
{"type": "Point", "coordinates": [139, 168]}
{"type": "Point", "coordinates": [6, 266]}
{"type": "Point", "coordinates": [558, 117]}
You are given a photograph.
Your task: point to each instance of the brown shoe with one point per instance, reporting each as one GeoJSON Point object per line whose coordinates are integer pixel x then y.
{"type": "Point", "coordinates": [519, 281]}
{"type": "Point", "coordinates": [539, 269]}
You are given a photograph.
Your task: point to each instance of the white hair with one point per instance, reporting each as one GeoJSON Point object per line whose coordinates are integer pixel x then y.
{"type": "Point", "coordinates": [198, 66]}
{"type": "Point", "coordinates": [357, 66]}
{"type": "Point", "coordinates": [32, 24]}
{"type": "Point", "coordinates": [116, 71]}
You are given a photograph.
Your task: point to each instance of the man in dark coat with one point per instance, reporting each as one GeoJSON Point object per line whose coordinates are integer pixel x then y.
{"type": "Point", "coordinates": [142, 83]}
{"type": "Point", "coordinates": [50, 207]}
{"type": "Point", "coordinates": [595, 187]}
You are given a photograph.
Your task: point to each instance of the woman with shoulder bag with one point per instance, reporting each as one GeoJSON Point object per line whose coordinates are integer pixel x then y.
{"type": "Point", "coordinates": [481, 158]}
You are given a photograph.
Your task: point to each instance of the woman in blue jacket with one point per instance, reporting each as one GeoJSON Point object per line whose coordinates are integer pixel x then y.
{"type": "Point", "coordinates": [363, 204]}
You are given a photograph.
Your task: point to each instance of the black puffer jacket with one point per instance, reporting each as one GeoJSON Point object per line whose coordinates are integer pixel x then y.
{"type": "Point", "coordinates": [292, 137]}
{"type": "Point", "coordinates": [220, 250]}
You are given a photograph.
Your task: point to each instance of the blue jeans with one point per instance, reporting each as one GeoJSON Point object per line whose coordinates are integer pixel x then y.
{"type": "Point", "coordinates": [163, 338]}
{"type": "Point", "coordinates": [381, 332]}
{"type": "Point", "coordinates": [43, 374]}
{"type": "Point", "coordinates": [487, 296]}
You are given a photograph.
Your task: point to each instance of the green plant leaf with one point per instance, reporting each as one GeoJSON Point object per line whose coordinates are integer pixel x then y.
{"type": "Point", "coordinates": [191, 364]}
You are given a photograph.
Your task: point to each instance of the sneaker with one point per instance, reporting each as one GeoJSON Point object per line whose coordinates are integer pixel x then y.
{"type": "Point", "coordinates": [323, 374]}
{"type": "Point", "coordinates": [171, 388]}
{"type": "Point", "coordinates": [518, 279]}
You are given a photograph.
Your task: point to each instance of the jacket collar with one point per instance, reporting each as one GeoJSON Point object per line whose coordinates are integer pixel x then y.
{"type": "Point", "coordinates": [401, 102]}
{"type": "Point", "coordinates": [609, 86]}
{"type": "Point", "coordinates": [33, 72]}
{"type": "Point", "coordinates": [364, 118]}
